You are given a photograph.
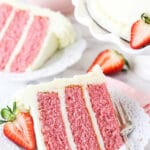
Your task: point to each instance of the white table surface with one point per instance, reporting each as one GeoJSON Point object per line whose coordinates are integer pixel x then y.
{"type": "Point", "coordinates": [8, 88]}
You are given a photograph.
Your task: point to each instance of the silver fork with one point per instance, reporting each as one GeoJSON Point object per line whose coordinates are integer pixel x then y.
{"type": "Point", "coordinates": [125, 123]}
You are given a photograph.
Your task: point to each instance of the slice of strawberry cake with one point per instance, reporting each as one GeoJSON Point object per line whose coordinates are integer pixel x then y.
{"type": "Point", "coordinates": [29, 36]}
{"type": "Point", "coordinates": [73, 114]}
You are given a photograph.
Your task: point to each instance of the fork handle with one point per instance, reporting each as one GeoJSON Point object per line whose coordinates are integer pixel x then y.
{"type": "Point", "coordinates": [126, 140]}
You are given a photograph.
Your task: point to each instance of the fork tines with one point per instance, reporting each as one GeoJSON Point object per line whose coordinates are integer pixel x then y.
{"type": "Point", "coordinates": [126, 125]}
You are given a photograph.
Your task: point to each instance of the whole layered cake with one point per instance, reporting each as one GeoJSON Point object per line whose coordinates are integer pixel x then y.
{"type": "Point", "coordinates": [118, 16]}
{"type": "Point", "coordinates": [30, 35]}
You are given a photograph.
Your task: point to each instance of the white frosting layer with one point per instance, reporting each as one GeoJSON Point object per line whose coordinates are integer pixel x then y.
{"type": "Point", "coordinates": [93, 118]}
{"type": "Point", "coordinates": [60, 33]}
{"type": "Point", "coordinates": [65, 119]}
{"type": "Point", "coordinates": [28, 97]}
{"type": "Point", "coordinates": [118, 16]}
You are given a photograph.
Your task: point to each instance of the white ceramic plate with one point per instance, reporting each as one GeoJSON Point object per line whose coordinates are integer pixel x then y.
{"type": "Point", "coordinates": [84, 18]}
{"type": "Point", "coordinates": [138, 138]}
{"type": "Point", "coordinates": [61, 60]}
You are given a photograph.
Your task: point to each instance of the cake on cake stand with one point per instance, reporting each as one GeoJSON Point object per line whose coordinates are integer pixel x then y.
{"type": "Point", "coordinates": [140, 59]}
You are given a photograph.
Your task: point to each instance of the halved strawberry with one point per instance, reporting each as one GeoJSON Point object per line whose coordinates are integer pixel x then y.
{"type": "Point", "coordinates": [140, 32]}
{"type": "Point", "coordinates": [110, 61]}
{"type": "Point", "coordinates": [18, 127]}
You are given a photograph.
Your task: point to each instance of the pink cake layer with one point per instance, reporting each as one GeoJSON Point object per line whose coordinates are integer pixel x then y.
{"type": "Point", "coordinates": [52, 123]}
{"type": "Point", "coordinates": [32, 44]}
{"type": "Point", "coordinates": [105, 115]}
{"type": "Point", "coordinates": [5, 11]}
{"type": "Point", "coordinates": [12, 36]}
{"type": "Point", "coordinates": [81, 125]}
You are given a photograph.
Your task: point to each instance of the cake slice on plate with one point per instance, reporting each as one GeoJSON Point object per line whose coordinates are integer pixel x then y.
{"type": "Point", "coordinates": [30, 35]}
{"type": "Point", "coordinates": [74, 113]}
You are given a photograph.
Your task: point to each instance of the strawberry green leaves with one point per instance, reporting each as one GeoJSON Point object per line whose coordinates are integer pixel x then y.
{"type": "Point", "coordinates": [146, 18]}
{"type": "Point", "coordinates": [8, 114]}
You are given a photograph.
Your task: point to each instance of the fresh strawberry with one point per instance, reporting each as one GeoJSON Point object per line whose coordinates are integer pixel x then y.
{"type": "Point", "coordinates": [140, 32]}
{"type": "Point", "coordinates": [18, 127]}
{"type": "Point", "coordinates": [110, 61]}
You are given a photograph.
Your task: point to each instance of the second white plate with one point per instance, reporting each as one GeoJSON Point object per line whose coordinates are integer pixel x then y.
{"type": "Point", "coordinates": [84, 18]}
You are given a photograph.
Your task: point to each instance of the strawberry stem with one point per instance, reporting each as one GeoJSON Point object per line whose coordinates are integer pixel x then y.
{"type": "Point", "coordinates": [125, 60]}
{"type": "Point", "coordinates": [146, 18]}
{"type": "Point", "coordinates": [127, 63]}
{"type": "Point", "coordinates": [124, 70]}
{"type": "Point", "coordinates": [9, 109]}
{"type": "Point", "coordinates": [8, 114]}
{"type": "Point", "coordinates": [14, 107]}
{"type": "Point", "coordinates": [2, 121]}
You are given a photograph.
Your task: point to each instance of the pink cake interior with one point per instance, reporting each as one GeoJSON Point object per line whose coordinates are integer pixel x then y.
{"type": "Point", "coordinates": [52, 124]}
{"type": "Point", "coordinates": [32, 44]}
{"type": "Point", "coordinates": [81, 125]}
{"type": "Point", "coordinates": [5, 11]}
{"type": "Point", "coordinates": [12, 36]}
{"type": "Point", "coordinates": [105, 115]}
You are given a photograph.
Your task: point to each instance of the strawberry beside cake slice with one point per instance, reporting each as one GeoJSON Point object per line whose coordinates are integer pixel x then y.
{"type": "Point", "coordinates": [74, 113]}
{"type": "Point", "coordinates": [30, 36]}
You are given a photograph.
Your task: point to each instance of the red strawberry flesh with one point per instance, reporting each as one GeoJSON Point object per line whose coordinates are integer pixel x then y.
{"type": "Point", "coordinates": [21, 131]}
{"type": "Point", "coordinates": [110, 61]}
{"type": "Point", "coordinates": [140, 34]}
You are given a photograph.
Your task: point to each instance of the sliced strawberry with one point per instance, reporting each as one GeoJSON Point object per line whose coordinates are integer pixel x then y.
{"type": "Point", "coordinates": [140, 32]}
{"type": "Point", "coordinates": [19, 128]}
{"type": "Point", "coordinates": [110, 61]}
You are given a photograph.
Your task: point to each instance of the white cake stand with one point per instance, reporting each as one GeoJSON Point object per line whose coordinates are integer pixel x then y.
{"type": "Point", "coordinates": [140, 58]}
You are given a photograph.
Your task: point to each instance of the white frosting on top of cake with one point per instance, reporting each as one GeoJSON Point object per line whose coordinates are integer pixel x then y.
{"type": "Point", "coordinates": [118, 15]}
{"type": "Point", "coordinates": [28, 97]}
